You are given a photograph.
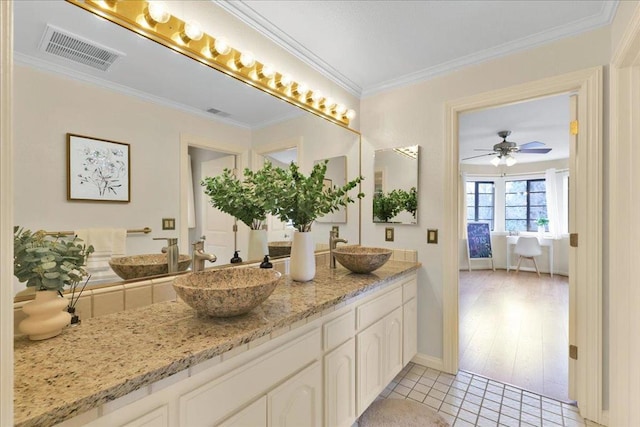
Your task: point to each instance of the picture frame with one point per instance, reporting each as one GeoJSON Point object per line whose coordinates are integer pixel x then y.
{"type": "Point", "coordinates": [98, 169]}
{"type": "Point", "coordinates": [327, 183]}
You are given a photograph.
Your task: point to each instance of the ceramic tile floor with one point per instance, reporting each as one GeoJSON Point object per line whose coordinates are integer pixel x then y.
{"type": "Point", "coordinates": [470, 400]}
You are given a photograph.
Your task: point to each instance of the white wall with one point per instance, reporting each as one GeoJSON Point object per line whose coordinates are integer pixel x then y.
{"type": "Point", "coordinates": [415, 115]}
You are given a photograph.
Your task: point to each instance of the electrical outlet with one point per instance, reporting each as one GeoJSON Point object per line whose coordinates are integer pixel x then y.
{"type": "Point", "coordinates": [432, 236]}
{"type": "Point", "coordinates": [388, 234]}
{"type": "Point", "coordinates": [336, 229]}
{"type": "Point", "coordinates": [168, 223]}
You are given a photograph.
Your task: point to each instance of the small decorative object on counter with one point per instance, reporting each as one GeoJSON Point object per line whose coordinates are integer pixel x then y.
{"type": "Point", "coordinates": [71, 308]}
{"type": "Point", "coordinates": [236, 258]}
{"type": "Point", "coordinates": [48, 264]}
{"type": "Point", "coordinates": [265, 262]}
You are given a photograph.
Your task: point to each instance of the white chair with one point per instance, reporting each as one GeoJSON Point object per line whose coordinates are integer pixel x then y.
{"type": "Point", "coordinates": [528, 247]}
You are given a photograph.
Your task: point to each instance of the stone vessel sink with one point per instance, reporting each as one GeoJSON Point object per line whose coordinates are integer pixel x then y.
{"type": "Point", "coordinates": [361, 259]}
{"type": "Point", "coordinates": [134, 266]}
{"type": "Point", "coordinates": [227, 292]}
{"type": "Point", "coordinates": [282, 248]}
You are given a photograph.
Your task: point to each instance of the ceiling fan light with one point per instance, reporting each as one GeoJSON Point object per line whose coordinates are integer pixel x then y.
{"type": "Point", "coordinates": [495, 161]}
{"type": "Point", "coordinates": [511, 161]}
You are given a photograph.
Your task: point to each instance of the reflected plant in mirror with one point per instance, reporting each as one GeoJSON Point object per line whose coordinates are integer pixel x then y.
{"type": "Point", "coordinates": [248, 200]}
{"type": "Point", "coordinates": [396, 185]}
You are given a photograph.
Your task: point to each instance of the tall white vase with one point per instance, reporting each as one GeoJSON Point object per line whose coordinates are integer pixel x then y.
{"type": "Point", "coordinates": [257, 245]}
{"type": "Point", "coordinates": [47, 316]}
{"type": "Point", "coordinates": [303, 258]}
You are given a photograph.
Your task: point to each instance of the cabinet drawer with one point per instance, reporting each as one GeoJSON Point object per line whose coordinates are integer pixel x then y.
{"type": "Point", "coordinates": [208, 404]}
{"type": "Point", "coordinates": [376, 309]}
{"type": "Point", "coordinates": [339, 330]}
{"type": "Point", "coordinates": [409, 289]}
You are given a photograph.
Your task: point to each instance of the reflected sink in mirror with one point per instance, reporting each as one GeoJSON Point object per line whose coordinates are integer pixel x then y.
{"type": "Point", "coordinates": [227, 292]}
{"type": "Point", "coordinates": [361, 259]}
{"type": "Point", "coordinates": [282, 248]}
{"type": "Point", "coordinates": [135, 266]}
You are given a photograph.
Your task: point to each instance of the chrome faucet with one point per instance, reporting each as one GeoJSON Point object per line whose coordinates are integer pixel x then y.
{"type": "Point", "coordinates": [172, 253]}
{"type": "Point", "coordinates": [199, 256]}
{"type": "Point", "coordinates": [333, 242]}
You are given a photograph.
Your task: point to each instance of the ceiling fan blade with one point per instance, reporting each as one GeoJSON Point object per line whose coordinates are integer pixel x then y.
{"type": "Point", "coordinates": [532, 144]}
{"type": "Point", "coordinates": [535, 150]}
{"type": "Point", "coordinates": [484, 149]}
{"type": "Point", "coordinates": [481, 155]}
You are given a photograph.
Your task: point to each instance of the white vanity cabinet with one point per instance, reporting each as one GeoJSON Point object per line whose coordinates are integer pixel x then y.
{"type": "Point", "coordinates": [323, 372]}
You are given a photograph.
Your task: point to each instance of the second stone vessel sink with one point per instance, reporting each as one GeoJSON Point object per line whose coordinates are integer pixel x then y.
{"type": "Point", "coordinates": [361, 259]}
{"type": "Point", "coordinates": [135, 266]}
{"type": "Point", "coordinates": [226, 292]}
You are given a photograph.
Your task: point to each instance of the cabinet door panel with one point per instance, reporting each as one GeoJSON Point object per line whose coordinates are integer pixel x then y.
{"type": "Point", "coordinates": [340, 385]}
{"type": "Point", "coordinates": [298, 402]}
{"type": "Point", "coordinates": [393, 342]}
{"type": "Point", "coordinates": [370, 368]}
{"type": "Point", "coordinates": [157, 418]}
{"type": "Point", "coordinates": [254, 415]}
{"type": "Point", "coordinates": [410, 331]}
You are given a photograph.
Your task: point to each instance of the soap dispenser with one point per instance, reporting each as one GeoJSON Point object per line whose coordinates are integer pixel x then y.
{"type": "Point", "coordinates": [265, 262]}
{"type": "Point", "coordinates": [236, 258]}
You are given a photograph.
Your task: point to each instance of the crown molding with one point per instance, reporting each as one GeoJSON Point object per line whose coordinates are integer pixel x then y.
{"type": "Point", "coordinates": [30, 61]}
{"type": "Point", "coordinates": [605, 17]}
{"type": "Point", "coordinates": [256, 21]}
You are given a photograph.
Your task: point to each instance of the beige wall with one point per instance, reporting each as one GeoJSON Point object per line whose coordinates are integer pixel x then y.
{"type": "Point", "coordinates": [47, 106]}
{"type": "Point", "coordinates": [415, 115]}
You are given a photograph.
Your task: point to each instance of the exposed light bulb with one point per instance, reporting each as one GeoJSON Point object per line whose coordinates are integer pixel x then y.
{"type": "Point", "coordinates": [267, 71]}
{"type": "Point", "coordinates": [247, 59]}
{"type": "Point", "coordinates": [329, 103]}
{"type": "Point", "coordinates": [495, 161]}
{"type": "Point", "coordinates": [193, 31]}
{"type": "Point", "coordinates": [340, 109]}
{"type": "Point", "coordinates": [351, 114]}
{"type": "Point", "coordinates": [302, 89]}
{"type": "Point", "coordinates": [286, 80]}
{"type": "Point", "coordinates": [220, 47]}
{"type": "Point", "coordinates": [317, 96]}
{"type": "Point", "coordinates": [157, 13]}
{"type": "Point", "coordinates": [511, 161]}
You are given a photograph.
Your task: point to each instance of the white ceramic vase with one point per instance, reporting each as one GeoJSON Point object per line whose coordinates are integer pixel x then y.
{"type": "Point", "coordinates": [541, 231]}
{"type": "Point", "coordinates": [257, 245]}
{"type": "Point", "coordinates": [47, 316]}
{"type": "Point", "coordinates": [303, 259]}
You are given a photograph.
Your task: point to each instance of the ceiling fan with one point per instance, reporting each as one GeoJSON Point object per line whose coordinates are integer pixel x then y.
{"type": "Point", "coordinates": [505, 149]}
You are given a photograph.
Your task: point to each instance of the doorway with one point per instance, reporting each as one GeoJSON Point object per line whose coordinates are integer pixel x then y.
{"type": "Point", "coordinates": [585, 265]}
{"type": "Point", "coordinates": [515, 172]}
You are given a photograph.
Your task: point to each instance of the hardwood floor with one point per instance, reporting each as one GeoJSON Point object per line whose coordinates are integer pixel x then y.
{"type": "Point", "coordinates": [514, 329]}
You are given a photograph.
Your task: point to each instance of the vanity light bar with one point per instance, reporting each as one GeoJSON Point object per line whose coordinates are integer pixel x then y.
{"type": "Point", "coordinates": [149, 20]}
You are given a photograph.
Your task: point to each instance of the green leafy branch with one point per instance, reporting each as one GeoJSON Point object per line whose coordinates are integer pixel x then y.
{"type": "Point", "coordinates": [48, 263]}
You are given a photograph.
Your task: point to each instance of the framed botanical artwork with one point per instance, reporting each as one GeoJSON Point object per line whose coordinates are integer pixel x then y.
{"type": "Point", "coordinates": [98, 169]}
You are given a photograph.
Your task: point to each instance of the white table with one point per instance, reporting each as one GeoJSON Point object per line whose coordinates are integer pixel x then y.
{"type": "Point", "coordinates": [512, 240]}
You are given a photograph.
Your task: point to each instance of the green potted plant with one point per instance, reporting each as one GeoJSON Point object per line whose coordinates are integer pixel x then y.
{"type": "Point", "coordinates": [542, 224]}
{"type": "Point", "coordinates": [248, 200]}
{"type": "Point", "coordinates": [302, 199]}
{"type": "Point", "coordinates": [48, 264]}
{"type": "Point", "coordinates": [411, 202]}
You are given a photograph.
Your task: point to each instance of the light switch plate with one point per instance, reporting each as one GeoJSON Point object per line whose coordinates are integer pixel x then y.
{"type": "Point", "coordinates": [336, 228]}
{"type": "Point", "coordinates": [388, 234]}
{"type": "Point", "coordinates": [432, 236]}
{"type": "Point", "coordinates": [168, 223]}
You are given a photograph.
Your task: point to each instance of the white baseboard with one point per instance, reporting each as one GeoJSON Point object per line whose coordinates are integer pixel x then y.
{"type": "Point", "coordinates": [429, 361]}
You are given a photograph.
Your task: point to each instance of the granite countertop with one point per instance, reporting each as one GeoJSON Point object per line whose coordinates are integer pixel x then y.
{"type": "Point", "coordinates": [110, 356]}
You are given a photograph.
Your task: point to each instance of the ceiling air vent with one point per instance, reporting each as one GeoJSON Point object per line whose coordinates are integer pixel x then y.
{"type": "Point", "coordinates": [218, 113]}
{"type": "Point", "coordinates": [67, 45]}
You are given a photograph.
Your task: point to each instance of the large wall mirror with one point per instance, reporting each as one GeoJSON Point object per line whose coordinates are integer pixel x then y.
{"type": "Point", "coordinates": [181, 119]}
{"type": "Point", "coordinates": [395, 197]}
